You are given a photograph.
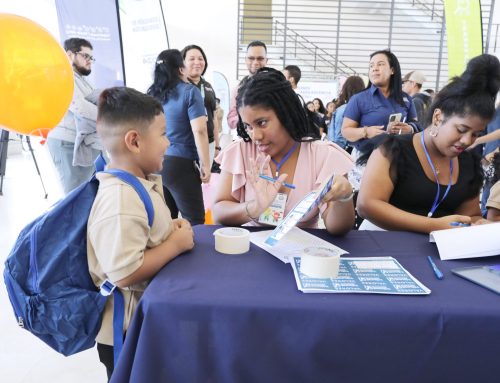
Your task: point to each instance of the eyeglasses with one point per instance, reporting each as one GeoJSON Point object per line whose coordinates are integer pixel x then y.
{"type": "Point", "coordinates": [259, 59]}
{"type": "Point", "coordinates": [86, 56]}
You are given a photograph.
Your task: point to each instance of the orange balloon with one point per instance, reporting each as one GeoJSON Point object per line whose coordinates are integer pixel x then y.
{"type": "Point", "coordinates": [36, 78]}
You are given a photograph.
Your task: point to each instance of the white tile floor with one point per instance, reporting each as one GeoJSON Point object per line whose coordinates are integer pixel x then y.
{"type": "Point", "coordinates": [24, 358]}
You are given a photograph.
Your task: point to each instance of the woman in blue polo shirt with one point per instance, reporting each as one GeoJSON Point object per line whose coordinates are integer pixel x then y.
{"type": "Point", "coordinates": [186, 163]}
{"type": "Point", "coordinates": [367, 113]}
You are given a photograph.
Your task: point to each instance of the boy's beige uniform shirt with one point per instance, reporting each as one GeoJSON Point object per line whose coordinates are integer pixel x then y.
{"type": "Point", "coordinates": [494, 198]}
{"type": "Point", "coordinates": [117, 236]}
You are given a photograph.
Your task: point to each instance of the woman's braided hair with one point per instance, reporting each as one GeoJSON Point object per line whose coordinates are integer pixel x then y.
{"type": "Point", "coordinates": [269, 89]}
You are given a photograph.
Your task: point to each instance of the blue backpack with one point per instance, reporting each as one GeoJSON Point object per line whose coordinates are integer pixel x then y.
{"type": "Point", "coordinates": [47, 274]}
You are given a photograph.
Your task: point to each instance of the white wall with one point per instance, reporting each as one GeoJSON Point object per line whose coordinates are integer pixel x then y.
{"type": "Point", "coordinates": [209, 24]}
{"type": "Point", "coordinates": [41, 11]}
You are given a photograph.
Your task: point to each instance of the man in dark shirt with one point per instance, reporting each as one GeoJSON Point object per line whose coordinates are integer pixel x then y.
{"type": "Point", "coordinates": [412, 84]}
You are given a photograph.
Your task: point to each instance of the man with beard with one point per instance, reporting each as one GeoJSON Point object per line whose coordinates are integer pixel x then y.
{"type": "Point", "coordinates": [82, 114]}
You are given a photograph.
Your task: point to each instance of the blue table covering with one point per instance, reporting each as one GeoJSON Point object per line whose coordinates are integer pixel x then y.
{"type": "Point", "coordinates": [210, 317]}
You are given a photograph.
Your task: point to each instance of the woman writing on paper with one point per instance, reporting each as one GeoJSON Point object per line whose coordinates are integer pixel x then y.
{"type": "Point", "coordinates": [428, 181]}
{"type": "Point", "coordinates": [279, 143]}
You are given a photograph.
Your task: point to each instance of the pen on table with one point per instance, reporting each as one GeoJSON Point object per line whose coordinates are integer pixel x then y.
{"type": "Point", "coordinates": [459, 224]}
{"type": "Point", "coordinates": [437, 272]}
{"type": "Point", "coordinates": [267, 178]}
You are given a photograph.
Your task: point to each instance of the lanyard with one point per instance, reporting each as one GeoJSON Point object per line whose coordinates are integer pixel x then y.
{"type": "Point", "coordinates": [436, 202]}
{"type": "Point", "coordinates": [283, 160]}
{"type": "Point", "coordinates": [202, 90]}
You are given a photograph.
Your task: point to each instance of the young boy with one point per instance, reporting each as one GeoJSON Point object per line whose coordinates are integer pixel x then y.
{"type": "Point", "coordinates": [121, 245]}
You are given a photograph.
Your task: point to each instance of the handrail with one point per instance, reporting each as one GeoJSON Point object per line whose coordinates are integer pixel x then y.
{"type": "Point", "coordinates": [310, 50]}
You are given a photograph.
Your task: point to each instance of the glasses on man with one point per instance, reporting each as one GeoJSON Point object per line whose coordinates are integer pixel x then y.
{"type": "Point", "coordinates": [259, 58]}
{"type": "Point", "coordinates": [86, 56]}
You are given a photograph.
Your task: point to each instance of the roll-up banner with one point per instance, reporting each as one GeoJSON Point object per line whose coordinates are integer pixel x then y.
{"type": "Point", "coordinates": [464, 33]}
{"type": "Point", "coordinates": [143, 37]}
{"type": "Point", "coordinates": [97, 22]}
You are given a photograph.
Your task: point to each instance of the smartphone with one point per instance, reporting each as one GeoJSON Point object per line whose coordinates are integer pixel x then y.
{"type": "Point", "coordinates": [396, 117]}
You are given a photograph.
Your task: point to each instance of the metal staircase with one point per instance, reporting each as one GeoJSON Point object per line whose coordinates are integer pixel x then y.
{"type": "Point", "coordinates": [328, 39]}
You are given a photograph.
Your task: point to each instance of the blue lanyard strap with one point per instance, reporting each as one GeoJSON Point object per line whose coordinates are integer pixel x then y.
{"type": "Point", "coordinates": [283, 160]}
{"type": "Point", "coordinates": [436, 202]}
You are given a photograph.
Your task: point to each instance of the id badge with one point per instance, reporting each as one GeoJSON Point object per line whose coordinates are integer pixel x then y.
{"type": "Point", "coordinates": [274, 214]}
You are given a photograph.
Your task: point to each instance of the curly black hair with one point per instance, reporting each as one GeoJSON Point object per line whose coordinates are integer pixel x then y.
{"type": "Point", "coordinates": [268, 88]}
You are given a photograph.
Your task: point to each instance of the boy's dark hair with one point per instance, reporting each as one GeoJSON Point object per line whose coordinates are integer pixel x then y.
{"type": "Point", "coordinates": [192, 46]}
{"type": "Point", "coordinates": [120, 106]}
{"type": "Point", "coordinates": [75, 44]}
{"type": "Point", "coordinates": [166, 75]}
{"type": "Point", "coordinates": [257, 43]}
{"type": "Point", "coordinates": [268, 88]}
{"type": "Point", "coordinates": [295, 72]}
{"type": "Point", "coordinates": [473, 92]}
{"type": "Point", "coordinates": [396, 84]}
{"type": "Point", "coordinates": [353, 85]}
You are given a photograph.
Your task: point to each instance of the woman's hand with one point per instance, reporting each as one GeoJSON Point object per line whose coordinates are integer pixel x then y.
{"type": "Point", "coordinates": [399, 128]}
{"type": "Point", "coordinates": [341, 189]}
{"type": "Point", "coordinates": [375, 130]}
{"type": "Point", "coordinates": [452, 221]}
{"type": "Point", "coordinates": [205, 173]}
{"type": "Point", "coordinates": [265, 191]}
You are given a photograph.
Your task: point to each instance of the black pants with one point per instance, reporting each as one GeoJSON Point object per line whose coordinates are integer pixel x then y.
{"type": "Point", "coordinates": [182, 189]}
{"type": "Point", "coordinates": [106, 357]}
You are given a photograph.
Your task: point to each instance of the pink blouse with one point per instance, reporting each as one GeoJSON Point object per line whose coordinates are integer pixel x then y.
{"type": "Point", "coordinates": [317, 161]}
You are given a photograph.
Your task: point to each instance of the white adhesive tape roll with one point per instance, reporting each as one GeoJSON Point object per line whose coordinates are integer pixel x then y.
{"type": "Point", "coordinates": [232, 240]}
{"type": "Point", "coordinates": [320, 262]}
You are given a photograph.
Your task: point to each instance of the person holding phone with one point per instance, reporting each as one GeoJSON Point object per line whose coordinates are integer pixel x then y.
{"type": "Point", "coordinates": [367, 113]}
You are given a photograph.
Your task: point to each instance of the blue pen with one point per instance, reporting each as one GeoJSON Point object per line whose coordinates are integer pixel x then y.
{"type": "Point", "coordinates": [437, 272]}
{"type": "Point", "coordinates": [459, 224]}
{"type": "Point", "coordinates": [267, 178]}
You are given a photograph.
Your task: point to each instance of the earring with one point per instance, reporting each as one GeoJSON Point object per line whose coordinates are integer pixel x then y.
{"type": "Point", "coordinates": [433, 132]}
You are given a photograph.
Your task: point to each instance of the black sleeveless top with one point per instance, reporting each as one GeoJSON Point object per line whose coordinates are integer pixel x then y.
{"type": "Point", "coordinates": [415, 193]}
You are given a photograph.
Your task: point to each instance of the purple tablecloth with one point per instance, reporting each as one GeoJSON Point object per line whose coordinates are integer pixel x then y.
{"type": "Point", "coordinates": [210, 317]}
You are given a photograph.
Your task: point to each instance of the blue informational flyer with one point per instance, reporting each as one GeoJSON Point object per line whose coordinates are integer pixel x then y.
{"type": "Point", "coordinates": [373, 275]}
{"type": "Point", "coordinates": [307, 203]}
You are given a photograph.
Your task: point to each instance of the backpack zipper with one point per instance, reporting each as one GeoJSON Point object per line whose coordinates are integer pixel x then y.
{"type": "Point", "coordinates": [33, 264]}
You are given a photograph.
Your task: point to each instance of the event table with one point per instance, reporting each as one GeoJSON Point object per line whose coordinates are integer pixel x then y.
{"type": "Point", "coordinates": [211, 317]}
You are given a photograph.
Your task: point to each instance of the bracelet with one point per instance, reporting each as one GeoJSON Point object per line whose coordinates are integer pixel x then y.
{"type": "Point", "coordinates": [248, 213]}
{"type": "Point", "coordinates": [348, 198]}
{"type": "Point", "coordinates": [218, 148]}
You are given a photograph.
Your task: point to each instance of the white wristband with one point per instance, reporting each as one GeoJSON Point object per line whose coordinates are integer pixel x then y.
{"type": "Point", "coordinates": [348, 198]}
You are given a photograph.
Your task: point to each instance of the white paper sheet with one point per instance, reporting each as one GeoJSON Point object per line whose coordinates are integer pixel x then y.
{"type": "Point", "coordinates": [291, 245]}
{"type": "Point", "coordinates": [468, 242]}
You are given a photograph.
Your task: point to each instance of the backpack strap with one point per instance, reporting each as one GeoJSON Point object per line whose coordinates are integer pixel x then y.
{"type": "Point", "coordinates": [139, 188]}
{"type": "Point", "coordinates": [107, 287]}
{"type": "Point", "coordinates": [99, 163]}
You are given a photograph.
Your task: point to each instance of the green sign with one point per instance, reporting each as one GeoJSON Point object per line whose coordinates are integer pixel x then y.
{"type": "Point", "coordinates": [464, 33]}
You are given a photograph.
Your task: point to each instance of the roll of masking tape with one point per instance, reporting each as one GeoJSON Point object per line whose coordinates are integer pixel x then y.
{"type": "Point", "coordinates": [320, 262]}
{"type": "Point", "coordinates": [232, 240]}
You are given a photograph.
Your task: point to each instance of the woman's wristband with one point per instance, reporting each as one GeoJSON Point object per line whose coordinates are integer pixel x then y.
{"type": "Point", "coordinates": [348, 198]}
